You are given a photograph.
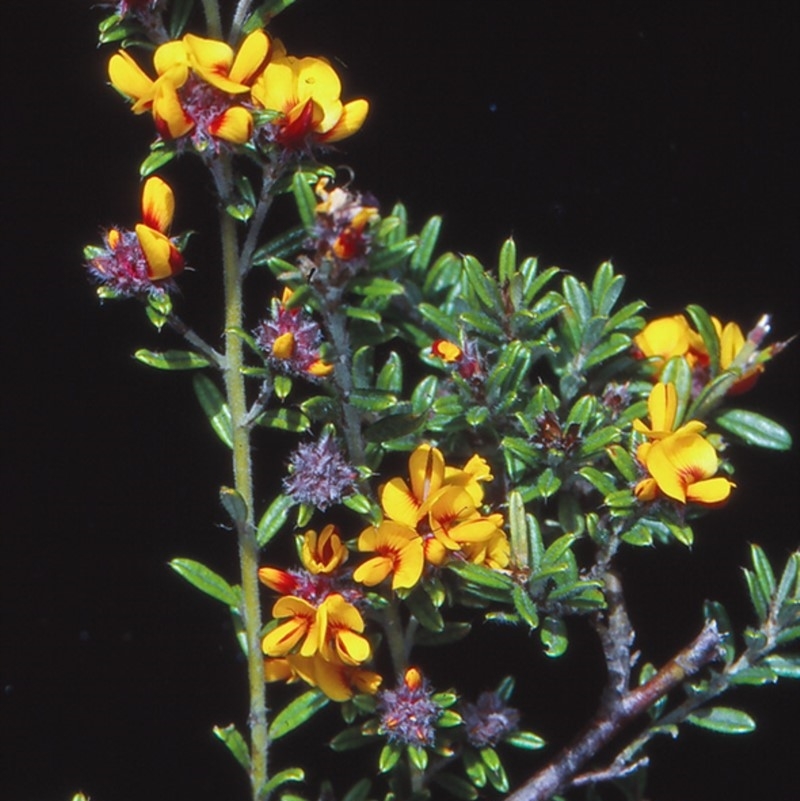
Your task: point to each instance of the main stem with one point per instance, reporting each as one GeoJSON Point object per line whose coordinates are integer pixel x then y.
{"type": "Point", "coordinates": [243, 483]}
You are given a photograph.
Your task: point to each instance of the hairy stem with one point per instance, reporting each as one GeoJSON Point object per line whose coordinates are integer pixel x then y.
{"type": "Point", "coordinates": [616, 711]}
{"type": "Point", "coordinates": [243, 483]}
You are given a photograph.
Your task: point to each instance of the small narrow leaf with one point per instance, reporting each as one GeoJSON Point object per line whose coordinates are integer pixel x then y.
{"type": "Point", "coordinates": [273, 519]}
{"type": "Point", "coordinates": [213, 404]}
{"type": "Point", "coordinates": [234, 505]}
{"type": "Point", "coordinates": [235, 743]}
{"type": "Point", "coordinates": [305, 199]}
{"type": "Point", "coordinates": [206, 580]}
{"type": "Point", "coordinates": [297, 712]}
{"type": "Point", "coordinates": [171, 359]}
{"type": "Point", "coordinates": [421, 257]}
{"type": "Point", "coordinates": [722, 719]}
{"type": "Point", "coordinates": [287, 775]}
{"type": "Point", "coordinates": [755, 429]}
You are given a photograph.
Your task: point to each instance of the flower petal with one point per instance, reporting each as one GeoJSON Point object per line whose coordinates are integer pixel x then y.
{"type": "Point", "coordinates": [158, 204]}
{"type": "Point", "coordinates": [234, 125]}
{"type": "Point", "coordinates": [171, 61]}
{"type": "Point", "coordinates": [352, 118]}
{"type": "Point", "coordinates": [426, 471]}
{"type": "Point", "coordinates": [170, 118]}
{"type": "Point", "coordinates": [250, 58]}
{"type": "Point", "coordinates": [128, 78]}
{"type": "Point", "coordinates": [163, 259]}
{"type": "Point", "coordinates": [710, 491]}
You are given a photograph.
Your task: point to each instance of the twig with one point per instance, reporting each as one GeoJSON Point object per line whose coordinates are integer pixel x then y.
{"type": "Point", "coordinates": [615, 712]}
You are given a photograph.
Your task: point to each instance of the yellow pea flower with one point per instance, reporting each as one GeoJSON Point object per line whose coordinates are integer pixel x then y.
{"type": "Point", "coordinates": [323, 553]}
{"type": "Point", "coordinates": [399, 552]}
{"type": "Point", "coordinates": [158, 207]}
{"type": "Point", "coordinates": [306, 91]}
{"type": "Point", "coordinates": [683, 467]}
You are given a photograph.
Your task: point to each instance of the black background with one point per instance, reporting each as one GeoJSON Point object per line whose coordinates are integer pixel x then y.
{"type": "Point", "coordinates": [663, 139]}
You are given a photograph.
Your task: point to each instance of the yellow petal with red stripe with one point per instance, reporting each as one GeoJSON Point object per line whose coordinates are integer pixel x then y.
{"type": "Point", "coordinates": [128, 78]}
{"type": "Point", "coordinates": [163, 259]}
{"type": "Point", "coordinates": [158, 204]}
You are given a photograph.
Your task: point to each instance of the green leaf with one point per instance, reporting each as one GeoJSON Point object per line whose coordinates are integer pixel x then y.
{"type": "Point", "coordinates": [297, 712]}
{"type": "Point", "coordinates": [553, 634]}
{"type": "Point", "coordinates": [171, 359]}
{"type": "Point", "coordinates": [518, 529]}
{"type": "Point", "coordinates": [284, 420]}
{"type": "Point", "coordinates": [755, 429]}
{"type": "Point", "coordinates": [787, 666]}
{"type": "Point", "coordinates": [577, 296]}
{"type": "Point", "coordinates": [705, 327]}
{"type": "Point", "coordinates": [421, 606]}
{"type": "Point", "coordinates": [285, 245]}
{"type": "Point", "coordinates": [526, 740]}
{"type": "Point", "coordinates": [788, 587]}
{"type": "Point", "coordinates": [525, 606]}
{"type": "Point", "coordinates": [156, 160]}
{"type": "Point", "coordinates": [722, 719]}
{"type": "Point", "coordinates": [677, 371]}
{"type": "Point", "coordinates": [393, 426]}
{"type": "Point", "coordinates": [418, 757]}
{"type": "Point", "coordinates": [763, 571]}
{"type": "Point", "coordinates": [213, 404]}
{"type": "Point", "coordinates": [623, 461]}
{"type": "Point", "coordinates": [452, 632]}
{"type": "Point", "coordinates": [754, 676]}
{"type": "Point", "coordinates": [287, 775]}
{"type": "Point", "coordinates": [759, 600]}
{"type": "Point", "coordinates": [507, 263]}
{"type": "Point", "coordinates": [234, 505]}
{"type": "Point", "coordinates": [421, 258]}
{"type": "Point", "coordinates": [351, 738]}
{"type": "Point", "coordinates": [273, 519]}
{"type": "Point", "coordinates": [264, 13]}
{"type": "Point", "coordinates": [483, 576]}
{"type": "Point", "coordinates": [389, 757]}
{"type": "Point", "coordinates": [305, 199]}
{"type": "Point", "coordinates": [206, 580]}
{"type": "Point", "coordinates": [235, 743]}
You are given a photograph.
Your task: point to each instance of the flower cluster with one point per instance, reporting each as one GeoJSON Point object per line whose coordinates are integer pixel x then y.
{"type": "Point", "coordinates": [489, 720]}
{"type": "Point", "coordinates": [306, 93]}
{"type": "Point", "coordinates": [342, 218]}
{"type": "Point", "coordinates": [408, 713]}
{"type": "Point", "coordinates": [319, 634]}
{"type": "Point", "coordinates": [201, 89]}
{"type": "Point", "coordinates": [434, 518]}
{"type": "Point", "coordinates": [667, 337]}
{"type": "Point", "coordinates": [205, 91]}
{"type": "Point", "coordinates": [290, 340]}
{"type": "Point", "coordinates": [681, 463]}
{"type": "Point", "coordinates": [139, 262]}
{"type": "Point", "coordinates": [319, 475]}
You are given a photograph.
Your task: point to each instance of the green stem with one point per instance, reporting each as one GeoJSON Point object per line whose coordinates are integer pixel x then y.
{"type": "Point", "coordinates": [243, 483]}
{"type": "Point", "coordinates": [213, 19]}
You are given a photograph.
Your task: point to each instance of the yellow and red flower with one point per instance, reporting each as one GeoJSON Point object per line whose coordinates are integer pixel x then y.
{"type": "Point", "coordinates": [432, 518]}
{"type": "Point", "coordinates": [681, 463]}
{"type": "Point", "coordinates": [138, 262]}
{"type": "Point", "coordinates": [291, 339]}
{"type": "Point", "coordinates": [306, 92]}
{"type": "Point", "coordinates": [196, 89]}
{"type": "Point", "coordinates": [337, 680]}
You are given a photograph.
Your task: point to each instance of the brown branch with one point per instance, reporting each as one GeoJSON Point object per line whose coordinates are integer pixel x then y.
{"type": "Point", "coordinates": [616, 711]}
